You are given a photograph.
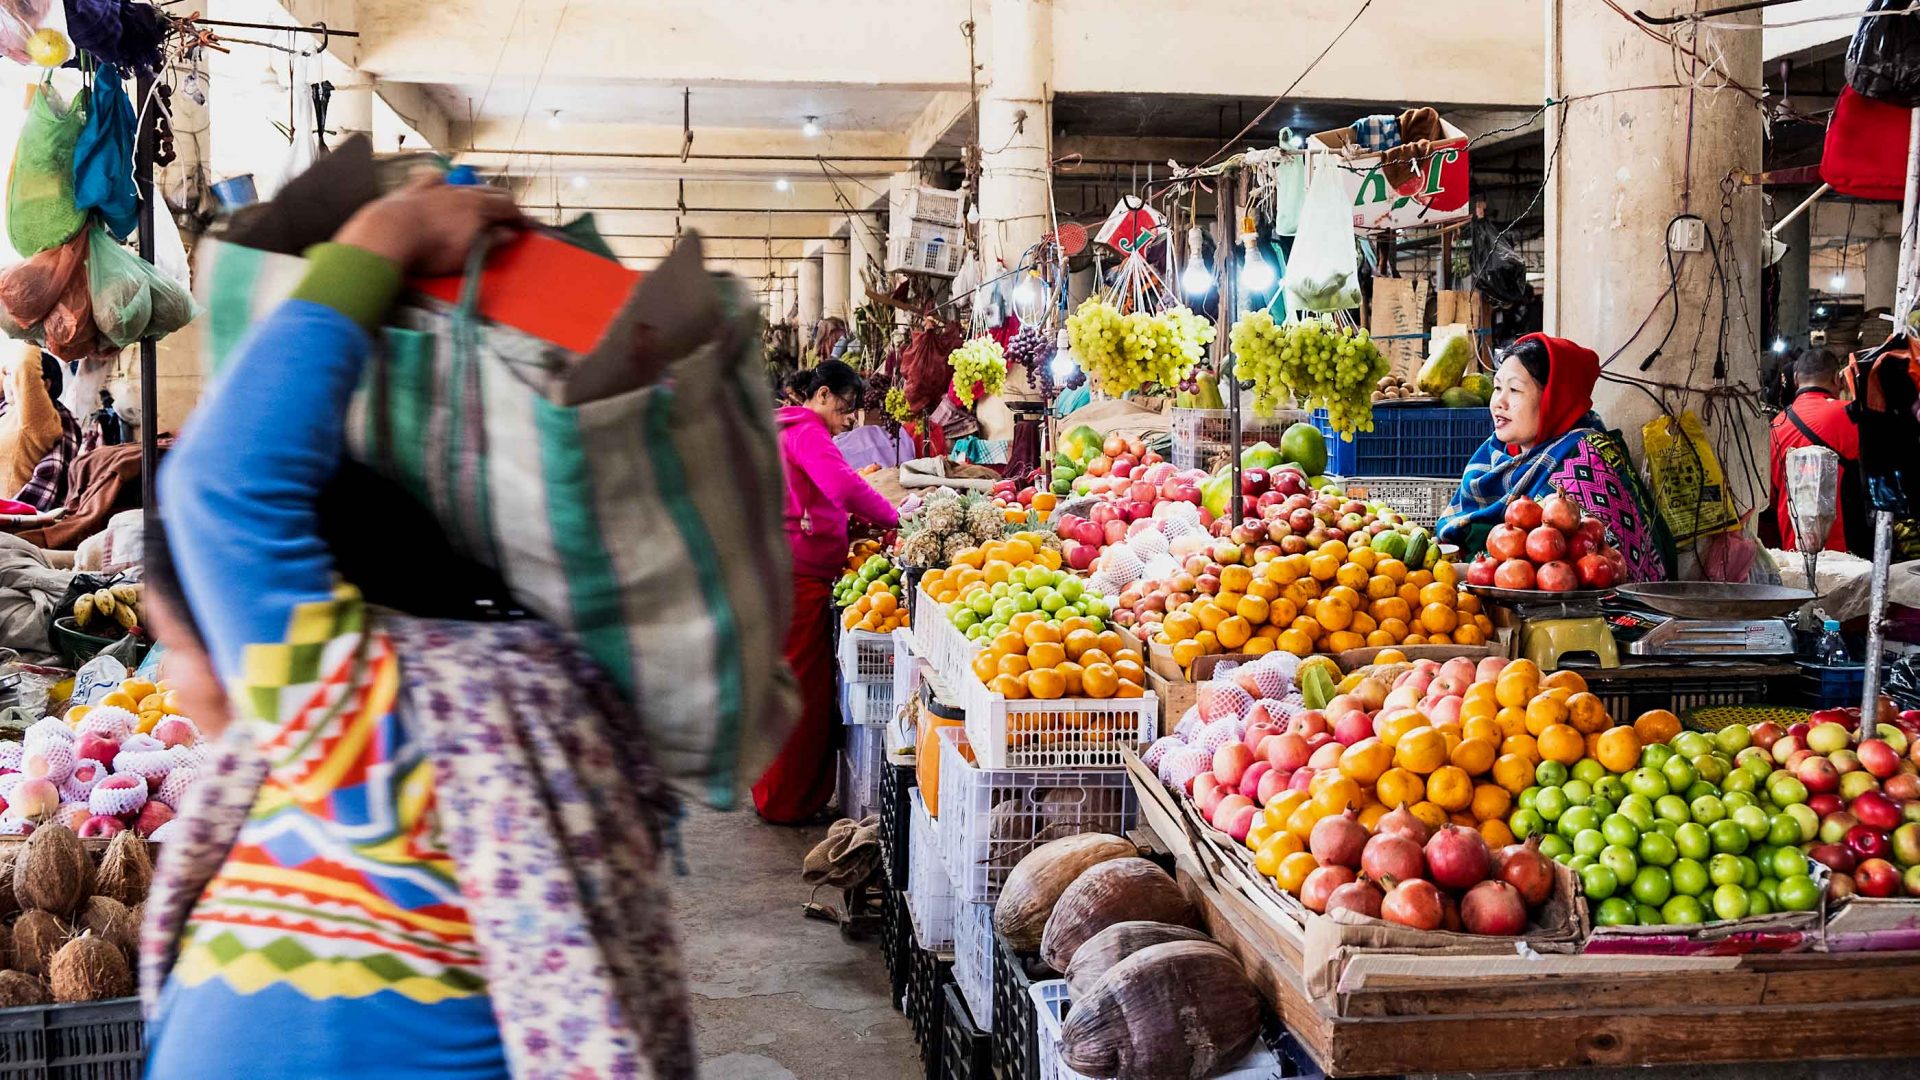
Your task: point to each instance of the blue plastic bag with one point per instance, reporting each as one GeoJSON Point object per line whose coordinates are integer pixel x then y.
{"type": "Point", "coordinates": [103, 157]}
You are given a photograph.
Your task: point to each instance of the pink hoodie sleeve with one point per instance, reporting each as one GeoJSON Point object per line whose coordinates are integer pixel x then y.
{"type": "Point", "coordinates": [816, 455]}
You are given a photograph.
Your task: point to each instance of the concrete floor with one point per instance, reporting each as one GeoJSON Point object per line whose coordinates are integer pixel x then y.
{"type": "Point", "coordinates": [777, 996]}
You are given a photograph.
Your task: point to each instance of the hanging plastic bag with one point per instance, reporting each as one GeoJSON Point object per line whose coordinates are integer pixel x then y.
{"type": "Point", "coordinates": [1688, 486]}
{"type": "Point", "coordinates": [1324, 273]}
{"type": "Point", "coordinates": [1289, 188]}
{"type": "Point", "coordinates": [103, 156]}
{"type": "Point", "coordinates": [41, 212]}
{"type": "Point", "coordinates": [1883, 59]}
{"type": "Point", "coordinates": [305, 147]}
{"type": "Point", "coordinates": [30, 289]}
{"type": "Point", "coordinates": [131, 299]}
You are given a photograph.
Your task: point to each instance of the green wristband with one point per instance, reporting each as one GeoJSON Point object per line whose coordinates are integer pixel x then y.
{"type": "Point", "coordinates": [352, 281]}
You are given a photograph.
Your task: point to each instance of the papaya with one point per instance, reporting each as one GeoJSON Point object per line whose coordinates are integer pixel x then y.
{"type": "Point", "coordinates": [1460, 397]}
{"type": "Point", "coordinates": [1480, 384]}
{"type": "Point", "coordinates": [1448, 364]}
{"type": "Point", "coordinates": [1209, 395]}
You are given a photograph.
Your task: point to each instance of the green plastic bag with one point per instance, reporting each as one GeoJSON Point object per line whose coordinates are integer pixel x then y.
{"type": "Point", "coordinates": [131, 299]}
{"type": "Point", "coordinates": [40, 202]}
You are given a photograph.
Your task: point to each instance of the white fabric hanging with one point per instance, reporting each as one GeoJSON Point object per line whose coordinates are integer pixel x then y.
{"type": "Point", "coordinates": [302, 72]}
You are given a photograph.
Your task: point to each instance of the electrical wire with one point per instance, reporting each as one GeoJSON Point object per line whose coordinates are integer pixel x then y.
{"type": "Point", "coordinates": [1298, 79]}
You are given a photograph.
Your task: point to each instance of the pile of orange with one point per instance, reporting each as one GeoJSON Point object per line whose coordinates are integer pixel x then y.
{"type": "Point", "coordinates": [1042, 660]}
{"type": "Point", "coordinates": [151, 701]}
{"type": "Point", "coordinates": [1328, 601]}
{"type": "Point", "coordinates": [878, 611]}
{"type": "Point", "coordinates": [989, 564]}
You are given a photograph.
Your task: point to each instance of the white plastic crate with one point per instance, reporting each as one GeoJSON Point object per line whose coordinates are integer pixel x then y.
{"type": "Point", "coordinates": [869, 704]}
{"type": "Point", "coordinates": [926, 249]}
{"type": "Point", "coordinates": [929, 893]}
{"type": "Point", "coordinates": [991, 818]}
{"type": "Point", "coordinates": [866, 657]}
{"type": "Point", "coordinates": [946, 649]}
{"type": "Point", "coordinates": [973, 960]}
{"type": "Point", "coordinates": [1200, 435]}
{"type": "Point", "coordinates": [933, 206]}
{"type": "Point", "coordinates": [860, 763]}
{"type": "Point", "coordinates": [1062, 733]}
{"type": "Point", "coordinates": [1050, 1010]}
{"type": "Point", "coordinates": [1419, 499]}
{"type": "Point", "coordinates": [908, 667]}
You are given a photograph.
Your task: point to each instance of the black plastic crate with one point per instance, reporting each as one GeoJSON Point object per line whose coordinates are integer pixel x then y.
{"type": "Point", "coordinates": [1627, 699]}
{"type": "Point", "coordinates": [896, 945]}
{"type": "Point", "coordinates": [1294, 1059]}
{"type": "Point", "coordinates": [895, 782]}
{"type": "Point", "coordinates": [926, 985]}
{"type": "Point", "coordinates": [96, 1041]}
{"type": "Point", "coordinates": [966, 1052]}
{"type": "Point", "coordinates": [1013, 1019]}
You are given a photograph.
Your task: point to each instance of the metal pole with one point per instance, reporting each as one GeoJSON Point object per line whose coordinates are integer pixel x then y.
{"type": "Point", "coordinates": [1882, 519]}
{"type": "Point", "coordinates": [149, 352]}
{"type": "Point", "coordinates": [1226, 194]}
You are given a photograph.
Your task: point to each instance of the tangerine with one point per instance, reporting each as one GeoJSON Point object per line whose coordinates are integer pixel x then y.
{"type": "Point", "coordinates": [1429, 813]}
{"type": "Point", "coordinates": [1293, 870]}
{"type": "Point", "coordinates": [1496, 833]}
{"type": "Point", "coordinates": [1421, 750]}
{"type": "Point", "coordinates": [1513, 773]}
{"type": "Point", "coordinates": [1490, 802]}
{"type": "Point", "coordinates": [1475, 755]}
{"type": "Point", "coordinates": [1010, 687]}
{"type": "Point", "coordinates": [1400, 787]}
{"type": "Point", "coordinates": [1100, 681]}
{"type": "Point", "coordinates": [1450, 788]}
{"type": "Point", "coordinates": [1618, 749]}
{"type": "Point", "coordinates": [1543, 712]}
{"type": "Point", "coordinates": [1656, 726]}
{"type": "Point", "coordinates": [1587, 713]}
{"type": "Point", "coordinates": [1562, 744]}
{"type": "Point", "coordinates": [1046, 684]}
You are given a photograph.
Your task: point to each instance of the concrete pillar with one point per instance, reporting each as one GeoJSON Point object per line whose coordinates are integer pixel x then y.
{"type": "Point", "coordinates": [1621, 166]}
{"type": "Point", "coordinates": [350, 109]}
{"type": "Point", "coordinates": [1883, 273]}
{"type": "Point", "coordinates": [833, 279]}
{"type": "Point", "coordinates": [1015, 112]}
{"type": "Point", "coordinates": [809, 294]}
{"type": "Point", "coordinates": [1791, 314]}
{"type": "Point", "coordinates": [866, 256]}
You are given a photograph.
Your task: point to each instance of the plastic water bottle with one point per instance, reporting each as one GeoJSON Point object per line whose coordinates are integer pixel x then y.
{"type": "Point", "coordinates": [1833, 648]}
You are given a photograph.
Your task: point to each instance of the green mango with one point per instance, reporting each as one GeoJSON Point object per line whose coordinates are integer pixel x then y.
{"type": "Point", "coordinates": [1216, 492]}
{"type": "Point", "coordinates": [1462, 398]}
{"type": "Point", "coordinates": [1081, 444]}
{"type": "Point", "coordinates": [1305, 446]}
{"type": "Point", "coordinates": [1263, 455]}
{"type": "Point", "coordinates": [1481, 384]}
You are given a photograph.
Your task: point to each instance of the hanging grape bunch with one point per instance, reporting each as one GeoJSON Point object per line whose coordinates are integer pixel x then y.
{"type": "Point", "coordinates": [1033, 348]}
{"type": "Point", "coordinates": [1316, 363]}
{"type": "Point", "coordinates": [896, 405]}
{"type": "Point", "coordinates": [1137, 351]}
{"type": "Point", "coordinates": [980, 363]}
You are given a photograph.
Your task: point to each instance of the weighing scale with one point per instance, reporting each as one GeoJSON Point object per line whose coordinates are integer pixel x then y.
{"type": "Point", "coordinates": [1557, 625]}
{"type": "Point", "coordinates": [1706, 619]}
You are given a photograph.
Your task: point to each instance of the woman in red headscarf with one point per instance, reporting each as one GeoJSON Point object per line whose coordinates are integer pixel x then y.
{"type": "Point", "coordinates": [1546, 440]}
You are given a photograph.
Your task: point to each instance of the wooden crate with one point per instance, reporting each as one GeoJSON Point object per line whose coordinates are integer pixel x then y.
{"type": "Point", "coordinates": [1398, 1013]}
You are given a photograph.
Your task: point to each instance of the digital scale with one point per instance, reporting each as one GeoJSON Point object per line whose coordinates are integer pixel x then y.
{"type": "Point", "coordinates": [1706, 619]}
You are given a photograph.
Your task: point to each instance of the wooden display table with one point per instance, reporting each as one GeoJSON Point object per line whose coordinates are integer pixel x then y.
{"type": "Point", "coordinates": [1402, 1012]}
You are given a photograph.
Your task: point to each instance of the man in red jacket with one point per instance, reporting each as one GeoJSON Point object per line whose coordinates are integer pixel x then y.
{"type": "Point", "coordinates": [1816, 417]}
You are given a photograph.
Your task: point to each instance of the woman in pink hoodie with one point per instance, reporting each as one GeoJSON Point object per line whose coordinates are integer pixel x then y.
{"type": "Point", "coordinates": [823, 493]}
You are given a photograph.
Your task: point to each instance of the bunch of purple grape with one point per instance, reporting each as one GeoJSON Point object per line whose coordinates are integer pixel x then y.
{"type": "Point", "coordinates": [1032, 347]}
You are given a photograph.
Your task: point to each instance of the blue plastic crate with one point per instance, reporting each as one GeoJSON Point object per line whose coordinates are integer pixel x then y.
{"type": "Point", "coordinates": [1836, 686]}
{"type": "Point", "coordinates": [1408, 440]}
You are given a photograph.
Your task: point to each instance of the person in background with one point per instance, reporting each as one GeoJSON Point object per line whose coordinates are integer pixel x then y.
{"type": "Point", "coordinates": [823, 494]}
{"type": "Point", "coordinates": [380, 874]}
{"type": "Point", "coordinates": [1547, 439]}
{"type": "Point", "coordinates": [1817, 417]}
{"type": "Point", "coordinates": [39, 438]}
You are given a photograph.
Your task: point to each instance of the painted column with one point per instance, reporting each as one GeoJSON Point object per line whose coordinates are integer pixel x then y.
{"type": "Point", "coordinates": [809, 295]}
{"type": "Point", "coordinates": [1623, 167]}
{"type": "Point", "coordinates": [1792, 311]}
{"type": "Point", "coordinates": [866, 257]}
{"type": "Point", "coordinates": [833, 279]}
{"type": "Point", "coordinates": [1882, 275]}
{"type": "Point", "coordinates": [1014, 116]}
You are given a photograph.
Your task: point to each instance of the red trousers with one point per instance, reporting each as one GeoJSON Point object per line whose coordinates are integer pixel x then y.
{"type": "Point", "coordinates": [800, 782]}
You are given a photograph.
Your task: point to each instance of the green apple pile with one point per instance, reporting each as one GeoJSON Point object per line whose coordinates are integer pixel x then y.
{"type": "Point", "coordinates": [985, 613]}
{"type": "Point", "coordinates": [1688, 837]}
{"type": "Point", "coordinates": [854, 584]}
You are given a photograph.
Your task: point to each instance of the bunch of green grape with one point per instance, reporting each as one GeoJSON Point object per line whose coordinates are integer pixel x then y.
{"type": "Point", "coordinates": [1314, 362]}
{"type": "Point", "coordinates": [1137, 351]}
{"type": "Point", "coordinates": [896, 405]}
{"type": "Point", "coordinates": [980, 362]}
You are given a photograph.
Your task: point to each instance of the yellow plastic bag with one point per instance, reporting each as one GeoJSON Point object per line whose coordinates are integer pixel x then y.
{"type": "Point", "coordinates": [1688, 486]}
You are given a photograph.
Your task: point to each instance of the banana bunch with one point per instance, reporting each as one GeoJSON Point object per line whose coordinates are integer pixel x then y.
{"type": "Point", "coordinates": [117, 605]}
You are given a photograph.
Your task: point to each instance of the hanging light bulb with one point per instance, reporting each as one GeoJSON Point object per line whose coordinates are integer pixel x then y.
{"type": "Point", "coordinates": [780, 184]}
{"type": "Point", "coordinates": [1064, 362]}
{"type": "Point", "coordinates": [579, 183]}
{"type": "Point", "coordinates": [811, 129]}
{"type": "Point", "coordinates": [1821, 310]}
{"type": "Point", "coordinates": [1838, 281]}
{"type": "Point", "coordinates": [1194, 280]}
{"type": "Point", "coordinates": [1256, 274]}
{"type": "Point", "coordinates": [1029, 298]}
{"type": "Point", "coordinates": [1779, 345]}
{"type": "Point", "coordinates": [553, 120]}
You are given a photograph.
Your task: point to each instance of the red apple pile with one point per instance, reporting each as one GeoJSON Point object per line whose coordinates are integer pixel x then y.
{"type": "Point", "coordinates": [1127, 507]}
{"type": "Point", "coordinates": [1548, 546]}
{"type": "Point", "coordinates": [1865, 793]}
{"type": "Point", "coordinates": [1296, 518]}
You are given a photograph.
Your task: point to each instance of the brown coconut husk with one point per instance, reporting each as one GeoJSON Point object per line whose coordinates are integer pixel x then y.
{"type": "Point", "coordinates": [109, 919]}
{"type": "Point", "coordinates": [17, 988]}
{"type": "Point", "coordinates": [8, 903]}
{"type": "Point", "coordinates": [126, 870]}
{"type": "Point", "coordinates": [53, 871]}
{"type": "Point", "coordinates": [37, 935]}
{"type": "Point", "coordinates": [89, 968]}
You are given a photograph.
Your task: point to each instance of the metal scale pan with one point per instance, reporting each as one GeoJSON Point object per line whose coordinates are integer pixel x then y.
{"type": "Point", "coordinates": [1709, 618]}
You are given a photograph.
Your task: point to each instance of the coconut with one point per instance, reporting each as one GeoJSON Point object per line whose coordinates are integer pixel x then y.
{"type": "Point", "coordinates": [90, 969]}
{"type": "Point", "coordinates": [1035, 885]}
{"type": "Point", "coordinates": [54, 872]}
{"type": "Point", "coordinates": [126, 869]}
{"type": "Point", "coordinates": [18, 988]}
{"type": "Point", "coordinates": [1182, 1009]}
{"type": "Point", "coordinates": [1099, 953]}
{"type": "Point", "coordinates": [1116, 890]}
{"type": "Point", "coordinates": [109, 919]}
{"type": "Point", "coordinates": [8, 904]}
{"type": "Point", "coordinates": [37, 935]}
